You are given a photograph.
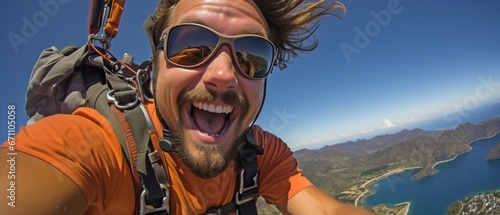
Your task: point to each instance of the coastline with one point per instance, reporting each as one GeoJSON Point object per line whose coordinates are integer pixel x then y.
{"type": "Point", "coordinates": [407, 207]}
{"type": "Point", "coordinates": [395, 171]}
{"type": "Point", "coordinates": [485, 137]}
{"type": "Point", "coordinates": [470, 144]}
{"type": "Point", "coordinates": [451, 159]}
{"type": "Point", "coordinates": [365, 185]}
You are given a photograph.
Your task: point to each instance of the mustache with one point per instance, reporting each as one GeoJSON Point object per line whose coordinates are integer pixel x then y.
{"type": "Point", "coordinates": [203, 95]}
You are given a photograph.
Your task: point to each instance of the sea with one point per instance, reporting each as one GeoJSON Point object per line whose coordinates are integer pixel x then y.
{"type": "Point", "coordinates": [466, 175]}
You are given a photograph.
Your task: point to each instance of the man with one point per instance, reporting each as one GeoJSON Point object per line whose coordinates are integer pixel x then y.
{"type": "Point", "coordinates": [206, 97]}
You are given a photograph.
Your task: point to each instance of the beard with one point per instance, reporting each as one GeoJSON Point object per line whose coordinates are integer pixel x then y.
{"type": "Point", "coordinates": [211, 159]}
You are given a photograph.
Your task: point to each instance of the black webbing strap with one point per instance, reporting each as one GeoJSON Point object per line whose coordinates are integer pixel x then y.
{"type": "Point", "coordinates": [248, 192]}
{"type": "Point", "coordinates": [229, 208]}
{"type": "Point", "coordinates": [244, 200]}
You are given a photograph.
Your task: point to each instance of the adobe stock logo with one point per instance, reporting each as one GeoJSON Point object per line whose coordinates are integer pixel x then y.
{"type": "Point", "coordinates": [363, 37]}
{"type": "Point", "coordinates": [30, 26]}
{"type": "Point", "coordinates": [281, 120]}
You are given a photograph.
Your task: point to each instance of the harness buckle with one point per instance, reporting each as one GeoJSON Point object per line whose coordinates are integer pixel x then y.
{"type": "Point", "coordinates": [241, 200]}
{"type": "Point", "coordinates": [242, 196]}
{"type": "Point", "coordinates": [242, 182]}
{"type": "Point", "coordinates": [147, 209]}
{"type": "Point", "coordinates": [214, 212]}
{"type": "Point", "coordinates": [111, 98]}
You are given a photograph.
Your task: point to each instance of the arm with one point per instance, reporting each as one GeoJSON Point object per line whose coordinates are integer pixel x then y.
{"type": "Point", "coordinates": [40, 188]}
{"type": "Point", "coordinates": [312, 200]}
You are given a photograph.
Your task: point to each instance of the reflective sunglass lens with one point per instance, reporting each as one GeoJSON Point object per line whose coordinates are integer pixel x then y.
{"type": "Point", "coordinates": [254, 56]}
{"type": "Point", "coordinates": [190, 45]}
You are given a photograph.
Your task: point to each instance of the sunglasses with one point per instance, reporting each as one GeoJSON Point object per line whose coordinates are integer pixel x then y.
{"type": "Point", "coordinates": [191, 45]}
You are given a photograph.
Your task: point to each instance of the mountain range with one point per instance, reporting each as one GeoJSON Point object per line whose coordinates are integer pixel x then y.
{"type": "Point", "coordinates": [335, 167]}
{"type": "Point", "coordinates": [342, 170]}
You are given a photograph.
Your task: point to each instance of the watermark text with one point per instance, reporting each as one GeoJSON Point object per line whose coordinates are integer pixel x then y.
{"type": "Point", "coordinates": [11, 155]}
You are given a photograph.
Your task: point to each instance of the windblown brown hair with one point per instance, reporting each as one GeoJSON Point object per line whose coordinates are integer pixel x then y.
{"type": "Point", "coordinates": [291, 22]}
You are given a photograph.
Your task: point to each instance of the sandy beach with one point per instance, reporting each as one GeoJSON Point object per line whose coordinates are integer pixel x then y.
{"type": "Point", "coordinates": [406, 209]}
{"type": "Point", "coordinates": [365, 185]}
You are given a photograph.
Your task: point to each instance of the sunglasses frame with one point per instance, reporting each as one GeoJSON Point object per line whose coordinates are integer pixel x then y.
{"type": "Point", "coordinates": [222, 39]}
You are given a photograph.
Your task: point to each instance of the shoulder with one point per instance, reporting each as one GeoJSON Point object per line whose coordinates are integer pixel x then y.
{"type": "Point", "coordinates": [272, 144]}
{"type": "Point", "coordinates": [279, 175]}
{"type": "Point", "coordinates": [265, 138]}
{"type": "Point", "coordinates": [84, 125]}
{"type": "Point", "coordinates": [85, 129]}
{"type": "Point", "coordinates": [276, 151]}
{"type": "Point", "coordinates": [85, 148]}
{"type": "Point", "coordinates": [83, 116]}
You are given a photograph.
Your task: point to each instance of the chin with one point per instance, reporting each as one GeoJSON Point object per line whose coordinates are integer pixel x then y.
{"type": "Point", "coordinates": [207, 160]}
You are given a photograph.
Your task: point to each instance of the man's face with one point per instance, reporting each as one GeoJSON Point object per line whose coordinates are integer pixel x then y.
{"type": "Point", "coordinates": [188, 98]}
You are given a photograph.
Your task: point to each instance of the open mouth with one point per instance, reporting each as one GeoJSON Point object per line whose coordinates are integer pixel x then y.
{"type": "Point", "coordinates": [210, 119]}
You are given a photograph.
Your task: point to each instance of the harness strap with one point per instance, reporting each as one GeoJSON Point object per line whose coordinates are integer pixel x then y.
{"type": "Point", "coordinates": [248, 191]}
{"type": "Point", "coordinates": [155, 157]}
{"type": "Point", "coordinates": [153, 192]}
{"type": "Point", "coordinates": [133, 127]}
{"type": "Point", "coordinates": [149, 163]}
{"type": "Point", "coordinates": [96, 94]}
{"type": "Point", "coordinates": [228, 208]}
{"type": "Point", "coordinates": [96, 98]}
{"type": "Point", "coordinates": [146, 161]}
{"type": "Point", "coordinates": [130, 150]}
{"type": "Point", "coordinates": [249, 187]}
{"type": "Point", "coordinates": [95, 16]}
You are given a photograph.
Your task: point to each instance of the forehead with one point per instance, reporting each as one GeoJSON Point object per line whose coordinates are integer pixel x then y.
{"type": "Point", "coordinates": [230, 17]}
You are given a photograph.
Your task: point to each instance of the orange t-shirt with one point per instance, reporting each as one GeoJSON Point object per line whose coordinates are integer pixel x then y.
{"type": "Point", "coordinates": [84, 147]}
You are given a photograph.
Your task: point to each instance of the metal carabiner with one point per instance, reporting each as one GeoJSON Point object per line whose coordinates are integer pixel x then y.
{"type": "Point", "coordinates": [104, 39]}
{"type": "Point", "coordinates": [138, 78]}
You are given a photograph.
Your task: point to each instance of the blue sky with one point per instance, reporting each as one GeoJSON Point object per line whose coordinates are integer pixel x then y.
{"type": "Point", "coordinates": [386, 64]}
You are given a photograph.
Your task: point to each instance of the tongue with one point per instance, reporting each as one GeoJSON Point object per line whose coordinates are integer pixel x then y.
{"type": "Point", "coordinates": [209, 123]}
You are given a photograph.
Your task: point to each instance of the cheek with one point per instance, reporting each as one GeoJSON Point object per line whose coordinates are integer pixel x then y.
{"type": "Point", "coordinates": [254, 92]}
{"type": "Point", "coordinates": [169, 86]}
{"type": "Point", "coordinates": [164, 99]}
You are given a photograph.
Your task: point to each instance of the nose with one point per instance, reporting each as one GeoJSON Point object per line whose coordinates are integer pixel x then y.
{"type": "Point", "coordinates": [220, 73]}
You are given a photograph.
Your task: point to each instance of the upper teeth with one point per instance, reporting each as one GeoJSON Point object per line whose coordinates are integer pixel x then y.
{"type": "Point", "coordinates": [212, 108]}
